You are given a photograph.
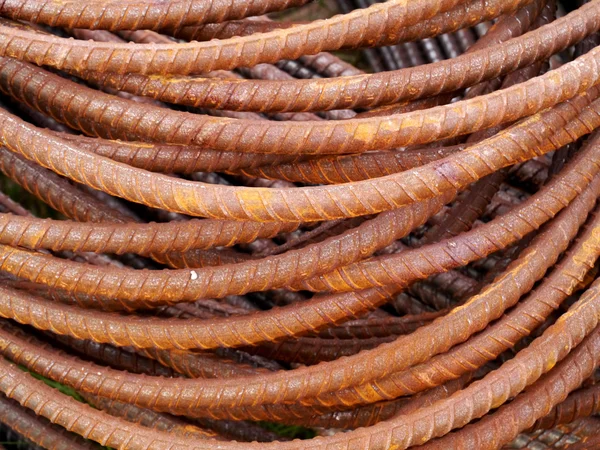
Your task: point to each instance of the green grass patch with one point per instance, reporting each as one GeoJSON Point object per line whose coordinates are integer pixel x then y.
{"type": "Point", "coordinates": [289, 431]}
{"type": "Point", "coordinates": [59, 387]}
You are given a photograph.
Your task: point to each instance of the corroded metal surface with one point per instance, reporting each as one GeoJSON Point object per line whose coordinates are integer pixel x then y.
{"type": "Point", "coordinates": [244, 228]}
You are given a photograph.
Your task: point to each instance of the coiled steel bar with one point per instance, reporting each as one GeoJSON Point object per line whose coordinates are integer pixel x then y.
{"type": "Point", "coordinates": [219, 223]}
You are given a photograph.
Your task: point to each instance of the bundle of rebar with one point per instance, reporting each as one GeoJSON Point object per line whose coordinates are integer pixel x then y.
{"type": "Point", "coordinates": [373, 224]}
